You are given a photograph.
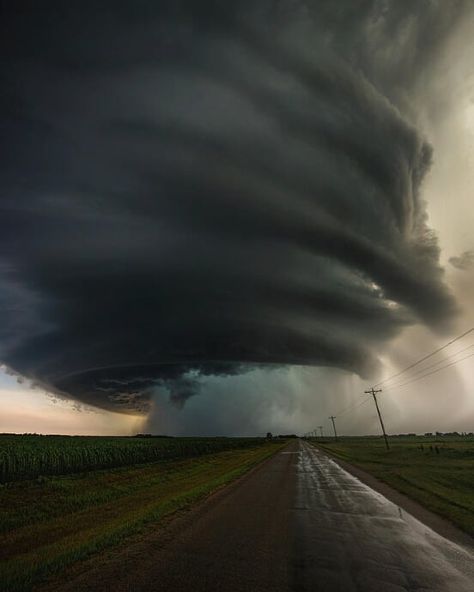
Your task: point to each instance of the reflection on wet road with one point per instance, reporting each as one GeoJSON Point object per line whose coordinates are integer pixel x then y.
{"type": "Point", "coordinates": [350, 538]}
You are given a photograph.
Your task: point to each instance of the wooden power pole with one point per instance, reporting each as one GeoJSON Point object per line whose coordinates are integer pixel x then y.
{"type": "Point", "coordinates": [374, 392]}
{"type": "Point", "coordinates": [332, 418]}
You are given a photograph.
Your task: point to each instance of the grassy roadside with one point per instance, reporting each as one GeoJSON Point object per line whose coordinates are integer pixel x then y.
{"type": "Point", "coordinates": [50, 523]}
{"type": "Point", "coordinates": [442, 481]}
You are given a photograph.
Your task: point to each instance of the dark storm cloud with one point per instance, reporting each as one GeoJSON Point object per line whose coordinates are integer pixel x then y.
{"type": "Point", "coordinates": [188, 188]}
{"type": "Point", "coordinates": [464, 262]}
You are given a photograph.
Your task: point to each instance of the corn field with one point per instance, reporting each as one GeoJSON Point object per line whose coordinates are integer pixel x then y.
{"type": "Point", "coordinates": [31, 456]}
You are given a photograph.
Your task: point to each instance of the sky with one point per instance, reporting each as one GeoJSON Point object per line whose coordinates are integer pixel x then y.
{"type": "Point", "coordinates": [237, 220]}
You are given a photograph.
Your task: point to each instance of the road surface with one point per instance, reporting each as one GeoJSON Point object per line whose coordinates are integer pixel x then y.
{"type": "Point", "coordinates": [299, 522]}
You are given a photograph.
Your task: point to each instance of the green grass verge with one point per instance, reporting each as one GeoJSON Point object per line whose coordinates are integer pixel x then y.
{"type": "Point", "coordinates": [48, 524]}
{"type": "Point", "coordinates": [441, 481]}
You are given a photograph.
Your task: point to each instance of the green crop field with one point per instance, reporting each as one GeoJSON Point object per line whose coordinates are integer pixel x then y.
{"type": "Point", "coordinates": [52, 521]}
{"type": "Point", "coordinates": [436, 472]}
{"type": "Point", "coordinates": [31, 456]}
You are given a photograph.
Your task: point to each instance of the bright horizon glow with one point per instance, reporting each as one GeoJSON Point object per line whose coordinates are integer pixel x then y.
{"type": "Point", "coordinates": [34, 411]}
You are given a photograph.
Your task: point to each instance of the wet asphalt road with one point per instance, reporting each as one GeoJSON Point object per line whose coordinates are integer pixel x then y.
{"type": "Point", "coordinates": [351, 538]}
{"type": "Point", "coordinates": [299, 522]}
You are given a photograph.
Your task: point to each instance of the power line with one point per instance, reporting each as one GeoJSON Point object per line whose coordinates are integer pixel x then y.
{"type": "Point", "coordinates": [447, 359]}
{"type": "Point", "coordinates": [430, 373]}
{"type": "Point", "coordinates": [425, 357]}
{"type": "Point", "coordinates": [352, 406]}
{"type": "Point", "coordinates": [411, 379]}
{"type": "Point", "coordinates": [414, 377]}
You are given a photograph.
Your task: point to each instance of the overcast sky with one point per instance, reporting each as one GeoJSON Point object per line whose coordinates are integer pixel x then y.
{"type": "Point", "coordinates": [234, 219]}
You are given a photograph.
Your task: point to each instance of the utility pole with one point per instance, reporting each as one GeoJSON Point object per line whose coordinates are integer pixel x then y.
{"type": "Point", "coordinates": [374, 392]}
{"type": "Point", "coordinates": [321, 430]}
{"type": "Point", "coordinates": [332, 418]}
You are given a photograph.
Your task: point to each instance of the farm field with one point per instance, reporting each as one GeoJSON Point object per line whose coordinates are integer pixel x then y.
{"type": "Point", "coordinates": [29, 456]}
{"type": "Point", "coordinates": [50, 522]}
{"type": "Point", "coordinates": [436, 472]}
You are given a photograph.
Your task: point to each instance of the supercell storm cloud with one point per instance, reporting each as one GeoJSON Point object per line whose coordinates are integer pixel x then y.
{"type": "Point", "coordinates": [203, 186]}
